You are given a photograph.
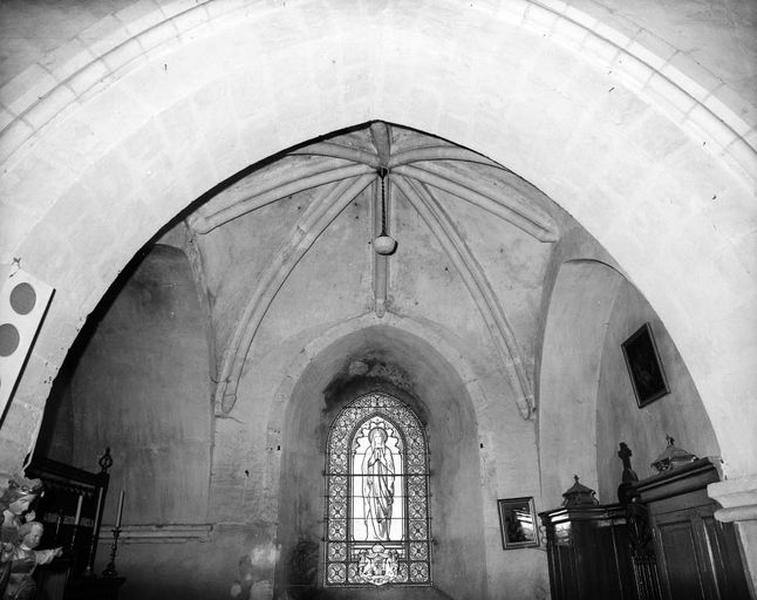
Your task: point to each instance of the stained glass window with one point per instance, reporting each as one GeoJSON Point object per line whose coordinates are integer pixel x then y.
{"type": "Point", "coordinates": [377, 519]}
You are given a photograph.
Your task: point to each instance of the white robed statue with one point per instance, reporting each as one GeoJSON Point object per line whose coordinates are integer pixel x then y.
{"type": "Point", "coordinates": [378, 485]}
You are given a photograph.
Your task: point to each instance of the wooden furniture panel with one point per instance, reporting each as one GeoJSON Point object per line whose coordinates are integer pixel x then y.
{"type": "Point", "coordinates": [663, 542]}
{"type": "Point", "coordinates": [698, 557]}
{"type": "Point", "coordinates": [681, 567]}
{"type": "Point", "coordinates": [730, 574]}
{"type": "Point", "coordinates": [589, 553]}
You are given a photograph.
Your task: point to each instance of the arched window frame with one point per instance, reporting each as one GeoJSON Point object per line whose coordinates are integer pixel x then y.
{"type": "Point", "coordinates": [352, 562]}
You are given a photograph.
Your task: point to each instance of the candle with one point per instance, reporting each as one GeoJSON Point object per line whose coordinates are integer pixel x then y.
{"type": "Point", "coordinates": [120, 510]}
{"type": "Point", "coordinates": [78, 510]}
{"type": "Point", "coordinates": [96, 524]}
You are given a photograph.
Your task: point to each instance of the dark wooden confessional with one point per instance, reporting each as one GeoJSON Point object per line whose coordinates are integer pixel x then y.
{"type": "Point", "coordinates": [661, 541]}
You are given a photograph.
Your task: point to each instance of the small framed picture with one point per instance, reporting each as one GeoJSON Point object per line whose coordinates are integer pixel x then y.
{"type": "Point", "coordinates": [517, 522]}
{"type": "Point", "coordinates": [644, 366]}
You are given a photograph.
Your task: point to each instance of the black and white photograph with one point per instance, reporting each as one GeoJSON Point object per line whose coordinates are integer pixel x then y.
{"type": "Point", "coordinates": [378, 299]}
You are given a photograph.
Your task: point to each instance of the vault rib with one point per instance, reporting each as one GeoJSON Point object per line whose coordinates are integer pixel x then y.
{"type": "Point", "coordinates": [380, 261]}
{"type": "Point", "coordinates": [478, 285]}
{"type": "Point", "coordinates": [492, 200]}
{"type": "Point", "coordinates": [321, 212]}
{"type": "Point", "coordinates": [301, 179]}
{"type": "Point", "coordinates": [381, 136]}
{"type": "Point", "coordinates": [426, 153]}
{"type": "Point", "coordinates": [332, 150]}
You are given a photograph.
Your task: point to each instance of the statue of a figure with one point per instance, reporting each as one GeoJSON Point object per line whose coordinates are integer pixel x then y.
{"type": "Point", "coordinates": [378, 485]}
{"type": "Point", "coordinates": [14, 511]}
{"type": "Point", "coordinates": [24, 559]}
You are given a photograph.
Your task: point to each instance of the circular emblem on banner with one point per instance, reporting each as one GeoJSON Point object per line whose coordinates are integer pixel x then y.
{"type": "Point", "coordinates": [23, 298]}
{"type": "Point", "coordinates": [9, 339]}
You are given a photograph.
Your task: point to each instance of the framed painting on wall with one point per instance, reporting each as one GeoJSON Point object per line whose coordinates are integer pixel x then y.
{"type": "Point", "coordinates": [644, 366]}
{"type": "Point", "coordinates": [517, 522]}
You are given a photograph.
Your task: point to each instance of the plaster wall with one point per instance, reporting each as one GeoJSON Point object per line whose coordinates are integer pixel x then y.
{"type": "Point", "coordinates": [196, 569]}
{"type": "Point", "coordinates": [679, 414]}
{"type": "Point", "coordinates": [706, 39]}
{"type": "Point", "coordinates": [579, 309]}
{"type": "Point", "coordinates": [56, 435]}
{"type": "Point", "coordinates": [141, 388]}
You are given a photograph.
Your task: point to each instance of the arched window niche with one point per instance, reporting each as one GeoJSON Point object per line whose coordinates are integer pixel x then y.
{"type": "Point", "coordinates": [377, 518]}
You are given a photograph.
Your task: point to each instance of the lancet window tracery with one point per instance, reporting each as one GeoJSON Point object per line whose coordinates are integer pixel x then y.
{"type": "Point", "coordinates": [377, 518]}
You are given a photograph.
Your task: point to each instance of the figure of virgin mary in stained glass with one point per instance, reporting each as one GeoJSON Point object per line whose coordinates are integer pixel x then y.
{"type": "Point", "coordinates": [378, 485]}
{"type": "Point", "coordinates": [377, 521]}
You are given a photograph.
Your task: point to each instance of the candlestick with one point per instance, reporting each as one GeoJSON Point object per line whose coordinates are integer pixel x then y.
{"type": "Point", "coordinates": [89, 571]}
{"type": "Point", "coordinates": [110, 568]}
{"type": "Point", "coordinates": [58, 522]}
{"type": "Point", "coordinates": [120, 510]}
{"type": "Point", "coordinates": [78, 510]}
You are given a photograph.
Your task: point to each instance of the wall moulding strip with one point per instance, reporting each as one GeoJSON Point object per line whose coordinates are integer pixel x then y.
{"type": "Point", "coordinates": [158, 534]}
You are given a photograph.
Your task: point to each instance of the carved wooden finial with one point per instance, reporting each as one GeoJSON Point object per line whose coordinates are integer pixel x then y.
{"type": "Point", "coordinates": [625, 454]}
{"type": "Point", "coordinates": [106, 461]}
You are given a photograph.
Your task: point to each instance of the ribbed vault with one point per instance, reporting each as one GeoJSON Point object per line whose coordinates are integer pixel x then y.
{"type": "Point", "coordinates": [423, 172]}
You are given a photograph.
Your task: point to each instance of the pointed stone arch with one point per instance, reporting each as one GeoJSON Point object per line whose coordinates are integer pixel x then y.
{"type": "Point", "coordinates": [78, 175]}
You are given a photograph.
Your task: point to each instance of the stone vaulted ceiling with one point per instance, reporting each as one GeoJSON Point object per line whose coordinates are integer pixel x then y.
{"type": "Point", "coordinates": [264, 227]}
